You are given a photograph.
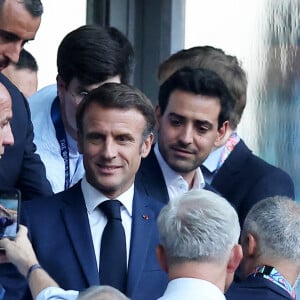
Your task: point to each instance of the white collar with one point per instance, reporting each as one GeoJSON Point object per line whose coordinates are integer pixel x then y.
{"type": "Point", "coordinates": [94, 197]}
{"type": "Point", "coordinates": [192, 287]}
{"type": "Point", "coordinates": [212, 161]}
{"type": "Point", "coordinates": [171, 177]}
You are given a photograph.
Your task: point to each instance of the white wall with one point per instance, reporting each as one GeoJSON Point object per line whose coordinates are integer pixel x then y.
{"type": "Point", "coordinates": [59, 18]}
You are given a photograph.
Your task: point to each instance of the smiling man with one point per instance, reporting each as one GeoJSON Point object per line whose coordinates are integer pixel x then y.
{"type": "Point", "coordinates": [192, 117]}
{"type": "Point", "coordinates": [115, 131]}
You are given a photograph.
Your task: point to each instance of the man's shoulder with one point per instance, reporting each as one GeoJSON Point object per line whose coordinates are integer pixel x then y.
{"type": "Point", "coordinates": [9, 85]}
{"type": "Point", "coordinates": [55, 201]}
{"type": "Point", "coordinates": [256, 288]}
{"type": "Point", "coordinates": [41, 101]}
{"type": "Point", "coordinates": [249, 162]}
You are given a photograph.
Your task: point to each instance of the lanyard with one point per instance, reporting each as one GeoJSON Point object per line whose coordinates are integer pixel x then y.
{"type": "Point", "coordinates": [61, 138]}
{"type": "Point", "coordinates": [274, 276]}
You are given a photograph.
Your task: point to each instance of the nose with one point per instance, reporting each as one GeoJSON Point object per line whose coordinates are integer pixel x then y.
{"type": "Point", "coordinates": [186, 135]}
{"type": "Point", "coordinates": [109, 149]}
{"type": "Point", "coordinates": [8, 138]}
{"type": "Point", "coordinates": [13, 51]}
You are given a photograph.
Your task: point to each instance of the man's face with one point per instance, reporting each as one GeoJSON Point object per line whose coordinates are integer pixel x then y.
{"type": "Point", "coordinates": [70, 96]}
{"type": "Point", "coordinates": [6, 136]}
{"type": "Point", "coordinates": [112, 146]}
{"type": "Point", "coordinates": [188, 130]}
{"type": "Point", "coordinates": [17, 26]}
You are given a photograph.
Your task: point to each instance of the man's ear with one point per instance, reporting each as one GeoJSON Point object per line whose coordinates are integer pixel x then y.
{"type": "Point", "coordinates": [235, 258]}
{"type": "Point", "coordinates": [250, 247]}
{"type": "Point", "coordinates": [147, 143]}
{"type": "Point", "coordinates": [161, 257]}
{"type": "Point", "coordinates": [157, 116]}
{"type": "Point", "coordinates": [61, 86]}
{"type": "Point", "coordinates": [222, 135]}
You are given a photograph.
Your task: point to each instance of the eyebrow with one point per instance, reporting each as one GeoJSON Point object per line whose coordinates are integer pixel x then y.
{"type": "Point", "coordinates": [199, 122]}
{"type": "Point", "coordinates": [9, 35]}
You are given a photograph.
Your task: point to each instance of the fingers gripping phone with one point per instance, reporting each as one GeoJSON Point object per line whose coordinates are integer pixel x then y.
{"type": "Point", "coordinates": [10, 201]}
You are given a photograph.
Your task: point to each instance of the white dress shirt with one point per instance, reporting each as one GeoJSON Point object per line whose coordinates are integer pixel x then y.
{"type": "Point", "coordinates": [176, 184]}
{"type": "Point", "coordinates": [46, 142]}
{"type": "Point", "coordinates": [191, 289]}
{"type": "Point", "coordinates": [97, 218]}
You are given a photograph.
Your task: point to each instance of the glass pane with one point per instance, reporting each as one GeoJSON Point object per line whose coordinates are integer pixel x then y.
{"type": "Point", "coordinates": [264, 35]}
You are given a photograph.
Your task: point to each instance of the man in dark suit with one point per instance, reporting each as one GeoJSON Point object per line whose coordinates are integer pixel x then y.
{"type": "Point", "coordinates": [270, 240]}
{"type": "Point", "coordinates": [21, 167]}
{"type": "Point", "coordinates": [192, 118]}
{"type": "Point", "coordinates": [115, 124]}
{"type": "Point", "coordinates": [232, 169]}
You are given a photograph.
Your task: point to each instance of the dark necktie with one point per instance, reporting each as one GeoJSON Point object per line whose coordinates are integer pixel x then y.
{"type": "Point", "coordinates": [113, 263]}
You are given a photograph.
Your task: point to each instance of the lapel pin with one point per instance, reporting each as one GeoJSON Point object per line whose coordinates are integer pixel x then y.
{"type": "Point", "coordinates": [145, 217]}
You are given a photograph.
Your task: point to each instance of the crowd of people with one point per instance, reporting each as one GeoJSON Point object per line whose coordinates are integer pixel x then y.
{"type": "Point", "coordinates": [123, 200]}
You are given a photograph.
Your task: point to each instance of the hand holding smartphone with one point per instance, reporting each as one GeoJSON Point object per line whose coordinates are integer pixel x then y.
{"type": "Point", "coordinates": [10, 201]}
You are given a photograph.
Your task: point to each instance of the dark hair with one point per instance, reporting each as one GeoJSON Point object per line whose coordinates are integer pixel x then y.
{"type": "Point", "coordinates": [200, 82]}
{"type": "Point", "coordinates": [26, 61]}
{"type": "Point", "coordinates": [35, 7]}
{"type": "Point", "coordinates": [226, 66]}
{"type": "Point", "coordinates": [121, 96]}
{"type": "Point", "coordinates": [92, 54]}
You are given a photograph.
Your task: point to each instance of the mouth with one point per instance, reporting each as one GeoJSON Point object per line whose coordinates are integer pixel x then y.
{"type": "Point", "coordinates": [182, 151]}
{"type": "Point", "coordinates": [107, 169]}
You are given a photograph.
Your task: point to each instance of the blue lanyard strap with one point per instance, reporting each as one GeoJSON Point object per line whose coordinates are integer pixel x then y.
{"type": "Point", "coordinates": [61, 138]}
{"type": "Point", "coordinates": [274, 276]}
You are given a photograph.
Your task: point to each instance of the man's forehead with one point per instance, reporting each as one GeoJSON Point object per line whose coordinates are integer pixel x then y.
{"type": "Point", "coordinates": [16, 20]}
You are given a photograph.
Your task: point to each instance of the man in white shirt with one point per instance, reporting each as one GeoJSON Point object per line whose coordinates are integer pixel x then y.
{"type": "Point", "coordinates": [87, 57]}
{"type": "Point", "coordinates": [199, 249]}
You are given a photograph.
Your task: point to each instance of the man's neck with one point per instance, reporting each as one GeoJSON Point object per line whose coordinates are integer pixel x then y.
{"type": "Point", "coordinates": [211, 272]}
{"type": "Point", "coordinates": [289, 270]}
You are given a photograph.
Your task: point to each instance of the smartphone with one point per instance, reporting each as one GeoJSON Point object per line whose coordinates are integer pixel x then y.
{"type": "Point", "coordinates": [10, 202]}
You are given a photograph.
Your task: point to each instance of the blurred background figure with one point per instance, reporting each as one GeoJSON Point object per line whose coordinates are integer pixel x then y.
{"type": "Point", "coordinates": [24, 73]}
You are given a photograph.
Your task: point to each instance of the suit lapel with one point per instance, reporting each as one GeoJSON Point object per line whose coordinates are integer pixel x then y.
{"type": "Point", "coordinates": [231, 168]}
{"type": "Point", "coordinates": [151, 177]}
{"type": "Point", "coordinates": [77, 225]}
{"type": "Point", "coordinates": [143, 225]}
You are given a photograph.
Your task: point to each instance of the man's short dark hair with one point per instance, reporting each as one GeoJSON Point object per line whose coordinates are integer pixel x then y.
{"type": "Point", "coordinates": [120, 96]}
{"type": "Point", "coordinates": [93, 54]}
{"type": "Point", "coordinates": [199, 82]}
{"type": "Point", "coordinates": [226, 66]}
{"type": "Point", "coordinates": [26, 61]}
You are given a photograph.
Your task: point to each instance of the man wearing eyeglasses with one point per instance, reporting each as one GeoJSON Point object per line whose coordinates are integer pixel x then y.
{"type": "Point", "coordinates": [87, 57]}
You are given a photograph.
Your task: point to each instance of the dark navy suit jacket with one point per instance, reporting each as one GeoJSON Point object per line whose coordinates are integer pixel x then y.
{"type": "Point", "coordinates": [20, 167]}
{"type": "Point", "coordinates": [151, 177]}
{"type": "Point", "coordinates": [244, 179]}
{"type": "Point", "coordinates": [60, 234]}
{"type": "Point", "coordinates": [257, 288]}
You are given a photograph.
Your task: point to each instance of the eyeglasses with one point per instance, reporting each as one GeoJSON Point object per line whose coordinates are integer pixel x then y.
{"type": "Point", "coordinates": [77, 97]}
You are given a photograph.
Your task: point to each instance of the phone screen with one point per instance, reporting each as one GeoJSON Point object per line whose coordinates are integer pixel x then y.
{"type": "Point", "coordinates": [9, 213]}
